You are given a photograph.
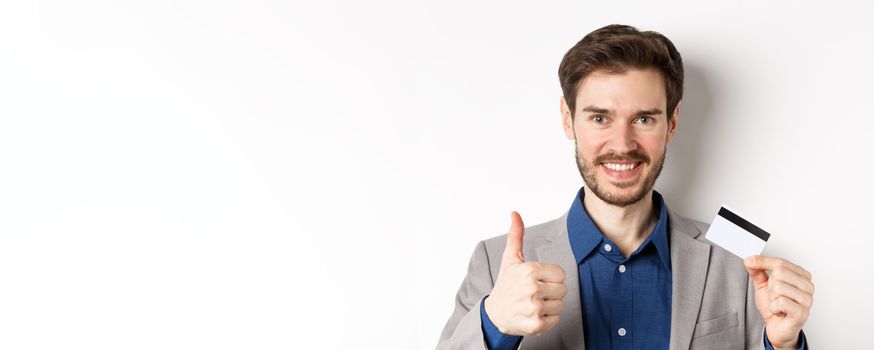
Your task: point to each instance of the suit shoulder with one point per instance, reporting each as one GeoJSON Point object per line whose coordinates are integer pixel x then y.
{"type": "Point", "coordinates": [534, 237]}
{"type": "Point", "coordinates": [700, 225]}
{"type": "Point", "coordinates": [689, 226]}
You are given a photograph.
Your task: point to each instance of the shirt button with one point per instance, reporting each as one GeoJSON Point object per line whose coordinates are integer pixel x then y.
{"type": "Point", "coordinates": [607, 247]}
{"type": "Point", "coordinates": [621, 268]}
{"type": "Point", "coordinates": [621, 332]}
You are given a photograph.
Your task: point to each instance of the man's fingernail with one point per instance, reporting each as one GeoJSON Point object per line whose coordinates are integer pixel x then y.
{"type": "Point", "coordinates": [750, 261]}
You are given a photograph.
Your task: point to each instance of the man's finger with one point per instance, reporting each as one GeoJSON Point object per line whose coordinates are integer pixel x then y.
{"type": "Point", "coordinates": [552, 291]}
{"type": "Point", "coordinates": [550, 273]}
{"type": "Point", "coordinates": [788, 307]}
{"type": "Point", "coordinates": [782, 289]}
{"type": "Point", "coordinates": [513, 250]}
{"type": "Point", "coordinates": [549, 321]}
{"type": "Point", "coordinates": [552, 307]}
{"type": "Point", "coordinates": [771, 263]}
{"type": "Point", "coordinates": [760, 277]}
{"type": "Point", "coordinates": [793, 279]}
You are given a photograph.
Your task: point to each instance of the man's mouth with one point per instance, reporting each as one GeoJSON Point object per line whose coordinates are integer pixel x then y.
{"type": "Point", "coordinates": [621, 166]}
{"type": "Point", "coordinates": [621, 170]}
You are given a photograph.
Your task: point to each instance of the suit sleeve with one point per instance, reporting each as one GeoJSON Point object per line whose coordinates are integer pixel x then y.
{"type": "Point", "coordinates": [464, 328]}
{"type": "Point", "coordinates": [494, 338]}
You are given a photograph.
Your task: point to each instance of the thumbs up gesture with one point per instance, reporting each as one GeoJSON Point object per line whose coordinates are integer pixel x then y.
{"type": "Point", "coordinates": [528, 296]}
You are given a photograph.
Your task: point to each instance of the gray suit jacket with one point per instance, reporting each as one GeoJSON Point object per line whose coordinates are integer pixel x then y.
{"type": "Point", "coordinates": [712, 303]}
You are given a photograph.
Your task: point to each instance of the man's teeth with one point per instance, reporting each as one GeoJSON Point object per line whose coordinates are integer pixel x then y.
{"type": "Point", "coordinates": [620, 167]}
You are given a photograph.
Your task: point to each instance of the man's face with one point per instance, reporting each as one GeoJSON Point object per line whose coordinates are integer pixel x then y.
{"type": "Point", "coordinates": [621, 131]}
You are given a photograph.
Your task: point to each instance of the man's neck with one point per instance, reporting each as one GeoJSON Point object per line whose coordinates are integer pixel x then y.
{"type": "Point", "coordinates": [626, 226]}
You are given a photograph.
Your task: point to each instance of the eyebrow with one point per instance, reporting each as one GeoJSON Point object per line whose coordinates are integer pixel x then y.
{"type": "Point", "coordinates": [599, 110]}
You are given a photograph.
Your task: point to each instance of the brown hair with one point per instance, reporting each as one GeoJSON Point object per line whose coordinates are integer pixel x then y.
{"type": "Point", "coordinates": [618, 48]}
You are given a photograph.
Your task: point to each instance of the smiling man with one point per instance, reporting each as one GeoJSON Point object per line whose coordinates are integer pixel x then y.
{"type": "Point", "coordinates": [620, 270]}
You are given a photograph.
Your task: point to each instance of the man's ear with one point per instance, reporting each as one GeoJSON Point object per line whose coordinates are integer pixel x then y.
{"type": "Point", "coordinates": [672, 124]}
{"type": "Point", "coordinates": [567, 122]}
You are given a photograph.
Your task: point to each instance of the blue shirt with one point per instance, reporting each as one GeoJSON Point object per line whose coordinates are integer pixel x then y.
{"type": "Point", "coordinates": [625, 301]}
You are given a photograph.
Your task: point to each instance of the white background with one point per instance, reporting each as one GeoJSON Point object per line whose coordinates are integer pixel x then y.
{"type": "Point", "coordinates": [274, 175]}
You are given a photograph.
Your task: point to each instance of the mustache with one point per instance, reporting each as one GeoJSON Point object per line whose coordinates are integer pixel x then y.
{"type": "Point", "coordinates": [633, 156]}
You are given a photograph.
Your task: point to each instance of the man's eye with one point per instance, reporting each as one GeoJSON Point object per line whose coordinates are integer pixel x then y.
{"type": "Point", "coordinates": [597, 118]}
{"type": "Point", "coordinates": [645, 119]}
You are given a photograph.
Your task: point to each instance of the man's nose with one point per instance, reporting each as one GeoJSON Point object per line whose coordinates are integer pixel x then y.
{"type": "Point", "coordinates": [622, 139]}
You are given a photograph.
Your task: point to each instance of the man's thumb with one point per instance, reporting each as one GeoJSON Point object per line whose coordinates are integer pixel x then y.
{"type": "Point", "coordinates": [513, 251]}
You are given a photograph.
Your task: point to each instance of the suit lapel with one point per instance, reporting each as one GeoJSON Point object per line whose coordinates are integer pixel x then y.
{"type": "Point", "coordinates": [558, 250]}
{"type": "Point", "coordinates": [689, 262]}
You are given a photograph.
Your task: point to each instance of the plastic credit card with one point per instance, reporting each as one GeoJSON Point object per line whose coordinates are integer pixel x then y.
{"type": "Point", "coordinates": [734, 233]}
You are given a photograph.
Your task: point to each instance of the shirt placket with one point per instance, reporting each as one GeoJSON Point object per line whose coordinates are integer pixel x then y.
{"type": "Point", "coordinates": [621, 306]}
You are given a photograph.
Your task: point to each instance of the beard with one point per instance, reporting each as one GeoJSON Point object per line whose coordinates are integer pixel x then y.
{"type": "Point", "coordinates": [589, 172]}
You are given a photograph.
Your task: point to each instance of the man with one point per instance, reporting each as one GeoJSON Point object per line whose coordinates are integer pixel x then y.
{"type": "Point", "coordinates": [619, 270]}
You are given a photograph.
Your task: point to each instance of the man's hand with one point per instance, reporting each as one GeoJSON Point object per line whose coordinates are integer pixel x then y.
{"type": "Point", "coordinates": [783, 298]}
{"type": "Point", "coordinates": [528, 296]}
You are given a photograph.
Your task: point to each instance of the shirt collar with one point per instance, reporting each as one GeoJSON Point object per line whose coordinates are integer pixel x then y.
{"type": "Point", "coordinates": [584, 236]}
